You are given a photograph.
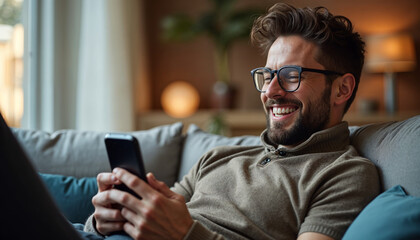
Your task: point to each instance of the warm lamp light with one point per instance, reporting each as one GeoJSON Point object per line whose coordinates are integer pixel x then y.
{"type": "Point", "coordinates": [11, 70]}
{"type": "Point", "coordinates": [180, 99]}
{"type": "Point", "coordinates": [389, 54]}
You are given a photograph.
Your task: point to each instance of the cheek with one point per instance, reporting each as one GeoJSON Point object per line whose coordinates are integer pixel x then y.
{"type": "Point", "coordinates": [332, 96]}
{"type": "Point", "coordinates": [307, 101]}
{"type": "Point", "coordinates": [263, 98]}
{"type": "Point", "coordinates": [310, 94]}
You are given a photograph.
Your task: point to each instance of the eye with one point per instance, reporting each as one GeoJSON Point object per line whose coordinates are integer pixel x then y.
{"type": "Point", "coordinates": [290, 75]}
{"type": "Point", "coordinates": [293, 78]}
{"type": "Point", "coordinates": [267, 76]}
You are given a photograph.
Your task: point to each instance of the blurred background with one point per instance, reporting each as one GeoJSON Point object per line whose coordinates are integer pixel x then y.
{"type": "Point", "coordinates": [134, 64]}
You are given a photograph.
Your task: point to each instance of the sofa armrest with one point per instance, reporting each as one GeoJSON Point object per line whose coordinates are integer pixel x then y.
{"type": "Point", "coordinates": [394, 148]}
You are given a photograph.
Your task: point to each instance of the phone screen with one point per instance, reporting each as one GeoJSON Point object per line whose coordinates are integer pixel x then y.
{"type": "Point", "coordinates": [124, 152]}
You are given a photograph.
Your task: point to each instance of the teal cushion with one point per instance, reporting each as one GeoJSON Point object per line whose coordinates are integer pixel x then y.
{"type": "Point", "coordinates": [392, 215]}
{"type": "Point", "coordinates": [72, 195]}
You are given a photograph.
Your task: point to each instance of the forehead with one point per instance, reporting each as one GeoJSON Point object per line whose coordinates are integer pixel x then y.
{"type": "Point", "coordinates": [292, 50]}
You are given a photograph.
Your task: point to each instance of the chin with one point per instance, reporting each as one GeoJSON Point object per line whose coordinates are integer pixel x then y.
{"type": "Point", "coordinates": [281, 133]}
{"type": "Point", "coordinates": [289, 137]}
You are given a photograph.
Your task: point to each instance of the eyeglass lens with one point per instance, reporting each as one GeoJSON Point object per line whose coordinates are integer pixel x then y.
{"type": "Point", "coordinates": [288, 78]}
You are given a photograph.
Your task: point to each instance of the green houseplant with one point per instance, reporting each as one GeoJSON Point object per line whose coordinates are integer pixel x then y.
{"type": "Point", "coordinates": [224, 25]}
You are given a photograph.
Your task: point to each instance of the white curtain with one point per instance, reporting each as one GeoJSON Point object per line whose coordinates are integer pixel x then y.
{"type": "Point", "coordinates": [84, 65]}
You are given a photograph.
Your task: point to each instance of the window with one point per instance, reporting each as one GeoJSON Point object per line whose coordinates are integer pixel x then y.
{"type": "Point", "coordinates": [11, 61]}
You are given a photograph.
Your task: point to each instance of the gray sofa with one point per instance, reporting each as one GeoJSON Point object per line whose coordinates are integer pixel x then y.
{"type": "Point", "coordinates": [71, 159]}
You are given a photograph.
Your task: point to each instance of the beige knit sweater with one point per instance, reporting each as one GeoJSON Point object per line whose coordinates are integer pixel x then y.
{"type": "Point", "coordinates": [263, 192]}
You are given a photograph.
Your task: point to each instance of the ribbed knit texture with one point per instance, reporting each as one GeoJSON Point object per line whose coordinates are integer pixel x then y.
{"type": "Point", "coordinates": [264, 192]}
{"type": "Point", "coordinates": [318, 186]}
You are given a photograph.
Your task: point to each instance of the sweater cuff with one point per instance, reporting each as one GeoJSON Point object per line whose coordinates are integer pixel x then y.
{"type": "Point", "coordinates": [90, 226]}
{"type": "Point", "coordinates": [199, 232]}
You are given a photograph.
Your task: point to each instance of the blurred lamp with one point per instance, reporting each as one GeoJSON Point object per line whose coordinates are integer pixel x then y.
{"type": "Point", "coordinates": [180, 99]}
{"type": "Point", "coordinates": [390, 54]}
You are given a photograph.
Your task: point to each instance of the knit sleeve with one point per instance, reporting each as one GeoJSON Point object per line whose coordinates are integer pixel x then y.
{"type": "Point", "coordinates": [186, 186]}
{"type": "Point", "coordinates": [90, 226]}
{"type": "Point", "coordinates": [199, 232]}
{"type": "Point", "coordinates": [342, 191]}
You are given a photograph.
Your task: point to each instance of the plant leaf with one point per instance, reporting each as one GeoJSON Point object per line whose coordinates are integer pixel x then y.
{"type": "Point", "coordinates": [178, 27]}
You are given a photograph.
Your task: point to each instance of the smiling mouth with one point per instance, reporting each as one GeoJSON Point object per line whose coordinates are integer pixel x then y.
{"type": "Point", "coordinates": [282, 111]}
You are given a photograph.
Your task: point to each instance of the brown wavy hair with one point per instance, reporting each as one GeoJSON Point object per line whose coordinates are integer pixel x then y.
{"type": "Point", "coordinates": [341, 49]}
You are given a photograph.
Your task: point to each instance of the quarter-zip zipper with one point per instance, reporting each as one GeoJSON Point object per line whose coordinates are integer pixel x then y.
{"type": "Point", "coordinates": [281, 153]}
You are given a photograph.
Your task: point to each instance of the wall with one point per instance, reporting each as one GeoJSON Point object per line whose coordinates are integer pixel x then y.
{"type": "Point", "coordinates": [193, 61]}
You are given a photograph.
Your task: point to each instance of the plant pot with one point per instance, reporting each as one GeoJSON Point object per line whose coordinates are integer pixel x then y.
{"type": "Point", "coordinates": [223, 96]}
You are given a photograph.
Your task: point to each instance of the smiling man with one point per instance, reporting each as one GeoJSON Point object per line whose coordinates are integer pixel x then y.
{"type": "Point", "coordinates": [304, 182]}
{"type": "Point", "coordinates": [299, 102]}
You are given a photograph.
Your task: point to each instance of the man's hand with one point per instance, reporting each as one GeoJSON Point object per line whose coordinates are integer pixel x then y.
{"type": "Point", "coordinates": [108, 218]}
{"type": "Point", "coordinates": [160, 214]}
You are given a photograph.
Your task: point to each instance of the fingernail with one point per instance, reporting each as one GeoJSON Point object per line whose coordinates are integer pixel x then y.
{"type": "Point", "coordinates": [152, 176]}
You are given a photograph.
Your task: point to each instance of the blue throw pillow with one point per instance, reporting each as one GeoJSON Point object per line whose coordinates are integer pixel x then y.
{"type": "Point", "coordinates": [392, 215]}
{"type": "Point", "coordinates": [72, 195]}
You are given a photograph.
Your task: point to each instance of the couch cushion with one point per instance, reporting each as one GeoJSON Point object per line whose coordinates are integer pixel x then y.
{"type": "Point", "coordinates": [83, 154]}
{"type": "Point", "coordinates": [197, 142]}
{"type": "Point", "coordinates": [73, 196]}
{"type": "Point", "coordinates": [391, 215]}
{"type": "Point", "coordinates": [394, 148]}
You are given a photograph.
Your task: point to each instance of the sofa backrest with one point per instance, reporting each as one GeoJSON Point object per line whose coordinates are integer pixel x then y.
{"type": "Point", "coordinates": [394, 147]}
{"type": "Point", "coordinates": [82, 153]}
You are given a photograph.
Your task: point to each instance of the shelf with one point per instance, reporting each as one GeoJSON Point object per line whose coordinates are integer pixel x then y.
{"type": "Point", "coordinates": [356, 119]}
{"type": "Point", "coordinates": [239, 122]}
{"type": "Point", "coordinates": [253, 122]}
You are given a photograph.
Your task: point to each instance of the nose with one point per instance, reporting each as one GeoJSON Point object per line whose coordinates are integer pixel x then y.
{"type": "Point", "coordinates": [274, 90]}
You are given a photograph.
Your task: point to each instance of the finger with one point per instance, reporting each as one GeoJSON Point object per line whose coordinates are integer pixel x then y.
{"type": "Point", "coordinates": [131, 216]}
{"type": "Point", "coordinates": [122, 198]}
{"type": "Point", "coordinates": [159, 185]}
{"type": "Point", "coordinates": [109, 198]}
{"type": "Point", "coordinates": [162, 188]}
{"type": "Point", "coordinates": [106, 228]}
{"type": "Point", "coordinates": [105, 181]}
{"type": "Point", "coordinates": [103, 214]}
{"type": "Point", "coordinates": [133, 182]}
{"type": "Point", "coordinates": [102, 199]}
{"type": "Point", "coordinates": [108, 220]}
{"type": "Point", "coordinates": [137, 225]}
{"type": "Point", "coordinates": [131, 230]}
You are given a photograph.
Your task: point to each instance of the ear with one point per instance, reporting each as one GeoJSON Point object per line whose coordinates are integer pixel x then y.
{"type": "Point", "coordinates": [342, 89]}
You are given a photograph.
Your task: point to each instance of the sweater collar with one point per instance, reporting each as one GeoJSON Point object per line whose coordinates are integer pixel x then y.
{"type": "Point", "coordinates": [331, 139]}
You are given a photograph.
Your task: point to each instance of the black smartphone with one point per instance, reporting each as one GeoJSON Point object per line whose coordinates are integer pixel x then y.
{"type": "Point", "coordinates": [124, 152]}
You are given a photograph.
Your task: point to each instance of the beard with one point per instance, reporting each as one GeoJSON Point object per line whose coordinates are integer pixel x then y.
{"type": "Point", "coordinates": [314, 120]}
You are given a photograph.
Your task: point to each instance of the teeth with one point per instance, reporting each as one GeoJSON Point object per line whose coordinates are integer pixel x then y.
{"type": "Point", "coordinates": [281, 111]}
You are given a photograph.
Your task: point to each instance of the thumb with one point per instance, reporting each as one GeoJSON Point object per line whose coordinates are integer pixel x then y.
{"type": "Point", "coordinates": [160, 186]}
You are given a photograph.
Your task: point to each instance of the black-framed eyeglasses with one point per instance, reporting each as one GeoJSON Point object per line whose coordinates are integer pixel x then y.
{"type": "Point", "coordinates": [288, 77]}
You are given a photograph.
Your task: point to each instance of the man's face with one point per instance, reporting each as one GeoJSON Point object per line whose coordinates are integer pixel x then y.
{"type": "Point", "coordinates": [293, 117]}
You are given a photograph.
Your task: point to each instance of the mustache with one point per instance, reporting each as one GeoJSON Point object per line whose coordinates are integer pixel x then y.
{"type": "Point", "coordinates": [280, 101]}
